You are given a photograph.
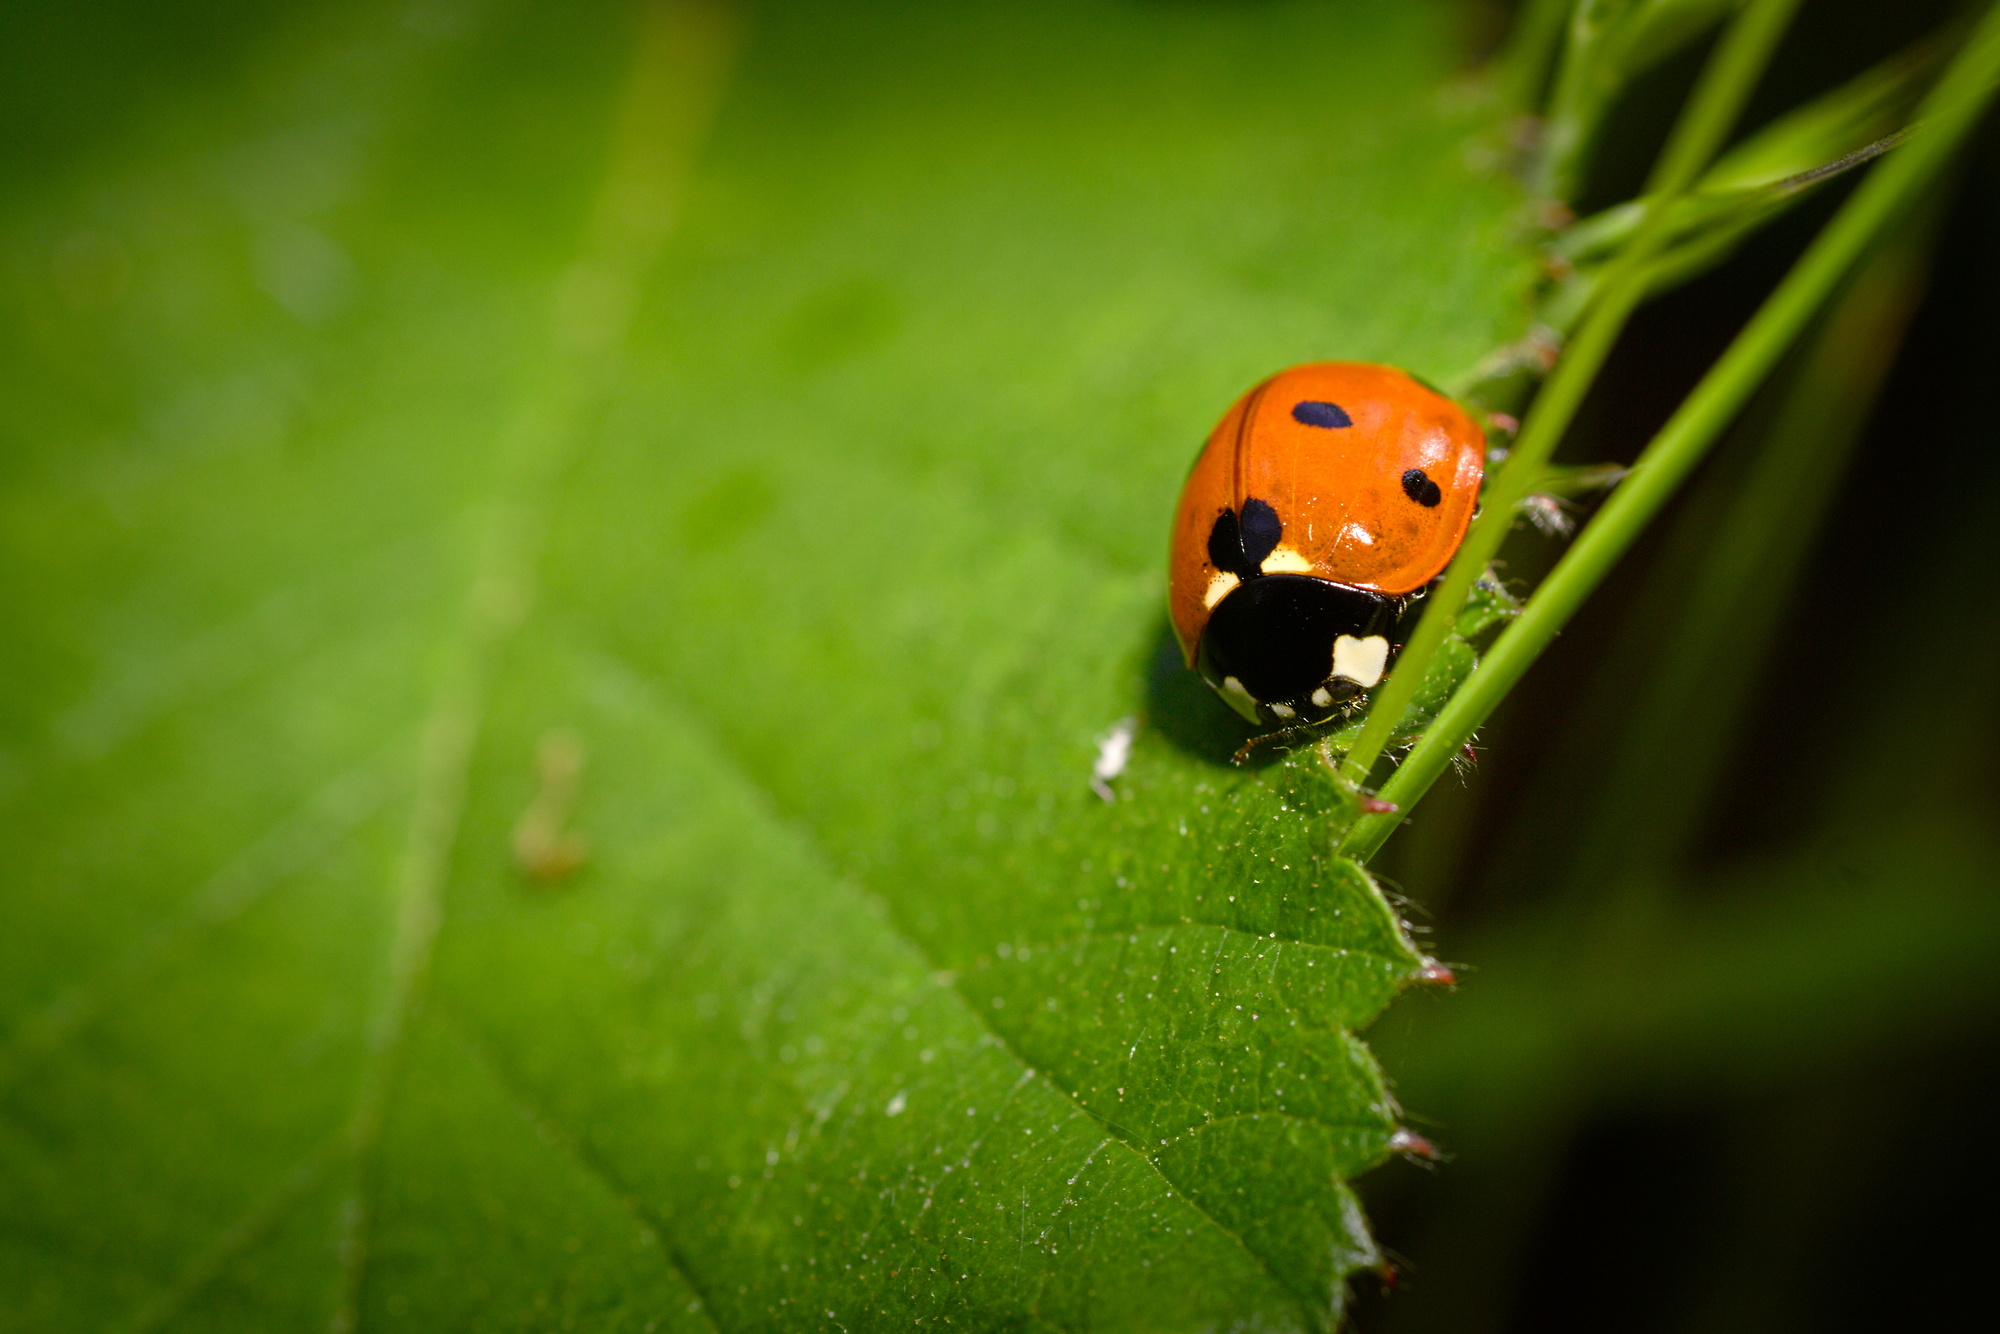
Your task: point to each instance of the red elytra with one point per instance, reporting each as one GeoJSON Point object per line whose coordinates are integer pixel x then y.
{"type": "Point", "coordinates": [1324, 499]}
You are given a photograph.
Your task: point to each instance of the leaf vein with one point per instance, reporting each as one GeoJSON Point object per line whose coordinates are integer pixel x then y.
{"type": "Point", "coordinates": [729, 754]}
{"type": "Point", "coordinates": [680, 68]}
{"type": "Point", "coordinates": [580, 1156]}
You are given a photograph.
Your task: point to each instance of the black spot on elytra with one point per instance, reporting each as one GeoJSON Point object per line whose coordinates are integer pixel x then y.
{"type": "Point", "coordinates": [1421, 488]}
{"type": "Point", "coordinates": [1225, 544]}
{"type": "Point", "coordinates": [1239, 546]}
{"type": "Point", "coordinates": [1261, 530]}
{"type": "Point", "coordinates": [1329, 415]}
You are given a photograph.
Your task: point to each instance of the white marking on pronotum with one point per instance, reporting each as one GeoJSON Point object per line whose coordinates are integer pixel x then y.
{"type": "Point", "coordinates": [1360, 660]}
{"type": "Point", "coordinates": [1283, 711]}
{"type": "Point", "coordinates": [1286, 561]}
{"type": "Point", "coordinates": [1322, 698]}
{"type": "Point", "coordinates": [896, 1105]}
{"type": "Point", "coordinates": [1114, 750]}
{"type": "Point", "coordinates": [1218, 588]}
{"type": "Point", "coordinates": [1239, 699]}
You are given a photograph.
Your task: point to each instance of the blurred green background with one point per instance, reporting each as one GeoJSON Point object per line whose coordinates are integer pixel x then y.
{"type": "Point", "coordinates": [776, 412]}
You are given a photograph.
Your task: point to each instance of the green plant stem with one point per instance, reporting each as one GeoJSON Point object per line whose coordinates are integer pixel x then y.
{"type": "Point", "coordinates": [1607, 44]}
{"type": "Point", "coordinates": [1949, 115]}
{"type": "Point", "coordinates": [1725, 85]}
{"type": "Point", "coordinates": [1531, 50]}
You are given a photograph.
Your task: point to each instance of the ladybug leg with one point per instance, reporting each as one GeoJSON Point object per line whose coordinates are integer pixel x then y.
{"type": "Point", "coordinates": [1242, 754]}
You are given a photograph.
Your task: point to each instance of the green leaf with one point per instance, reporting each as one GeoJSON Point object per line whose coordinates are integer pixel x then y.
{"type": "Point", "coordinates": [738, 457]}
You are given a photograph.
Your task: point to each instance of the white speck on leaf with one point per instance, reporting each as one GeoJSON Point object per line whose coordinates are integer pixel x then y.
{"type": "Point", "coordinates": [1114, 751]}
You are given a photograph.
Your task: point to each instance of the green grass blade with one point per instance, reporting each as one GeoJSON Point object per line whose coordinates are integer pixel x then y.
{"type": "Point", "coordinates": [1890, 189]}
{"type": "Point", "coordinates": [1609, 43]}
{"type": "Point", "coordinates": [1711, 111]}
{"type": "Point", "coordinates": [1533, 47]}
{"type": "Point", "coordinates": [1755, 180]}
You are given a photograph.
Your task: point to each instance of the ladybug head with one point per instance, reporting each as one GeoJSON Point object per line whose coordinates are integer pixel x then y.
{"type": "Point", "coordinates": [1282, 646]}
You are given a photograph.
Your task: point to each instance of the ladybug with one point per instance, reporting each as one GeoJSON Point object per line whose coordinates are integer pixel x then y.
{"type": "Point", "coordinates": [1323, 503]}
